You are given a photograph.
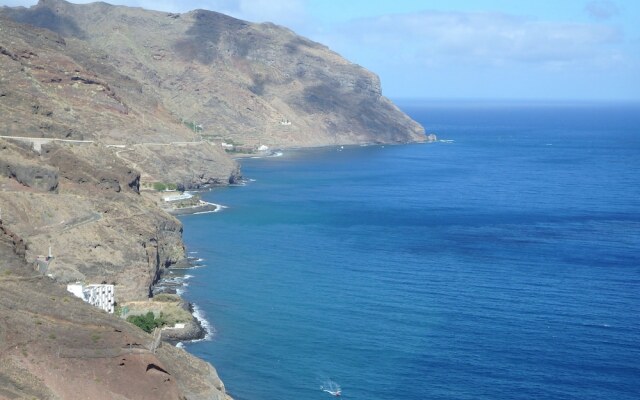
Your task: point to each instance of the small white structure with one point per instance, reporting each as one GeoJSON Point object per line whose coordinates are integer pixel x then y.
{"type": "Point", "coordinates": [101, 296]}
{"type": "Point", "coordinates": [176, 197]}
{"type": "Point", "coordinates": [263, 148]}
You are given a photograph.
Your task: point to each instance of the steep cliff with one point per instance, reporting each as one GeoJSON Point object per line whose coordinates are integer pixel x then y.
{"type": "Point", "coordinates": [98, 225]}
{"type": "Point", "coordinates": [249, 83]}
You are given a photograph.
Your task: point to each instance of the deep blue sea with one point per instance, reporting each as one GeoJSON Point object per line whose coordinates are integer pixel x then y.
{"type": "Point", "coordinates": [502, 264]}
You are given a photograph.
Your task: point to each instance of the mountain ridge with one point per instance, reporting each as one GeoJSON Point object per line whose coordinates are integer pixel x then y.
{"type": "Point", "coordinates": [237, 79]}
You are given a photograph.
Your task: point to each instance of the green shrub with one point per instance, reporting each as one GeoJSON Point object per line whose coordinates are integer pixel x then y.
{"type": "Point", "coordinates": [192, 126]}
{"type": "Point", "coordinates": [147, 322]}
{"type": "Point", "coordinates": [159, 186]}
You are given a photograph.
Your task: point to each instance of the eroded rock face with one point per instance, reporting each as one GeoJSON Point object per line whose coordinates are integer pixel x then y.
{"type": "Point", "coordinates": [94, 166]}
{"type": "Point", "coordinates": [22, 166]}
{"type": "Point", "coordinates": [97, 224]}
{"type": "Point", "coordinates": [32, 175]}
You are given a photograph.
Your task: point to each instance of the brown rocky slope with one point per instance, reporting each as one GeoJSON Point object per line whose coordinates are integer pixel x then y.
{"type": "Point", "coordinates": [54, 346]}
{"type": "Point", "coordinates": [239, 80]}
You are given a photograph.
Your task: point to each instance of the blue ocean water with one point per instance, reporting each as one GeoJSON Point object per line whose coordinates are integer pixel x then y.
{"type": "Point", "coordinates": [504, 264]}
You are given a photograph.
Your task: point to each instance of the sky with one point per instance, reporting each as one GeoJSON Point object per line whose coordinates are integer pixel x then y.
{"type": "Point", "coordinates": [457, 49]}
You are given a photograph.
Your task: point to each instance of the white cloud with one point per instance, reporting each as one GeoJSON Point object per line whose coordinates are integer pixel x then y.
{"type": "Point", "coordinates": [489, 39]}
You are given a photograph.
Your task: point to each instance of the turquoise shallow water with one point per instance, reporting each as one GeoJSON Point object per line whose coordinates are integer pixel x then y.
{"type": "Point", "coordinates": [504, 264]}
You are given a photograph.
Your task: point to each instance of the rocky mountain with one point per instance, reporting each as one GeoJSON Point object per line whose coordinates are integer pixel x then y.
{"type": "Point", "coordinates": [98, 105]}
{"type": "Point", "coordinates": [249, 83]}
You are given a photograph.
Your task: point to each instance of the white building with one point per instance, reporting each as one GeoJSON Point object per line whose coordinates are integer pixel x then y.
{"type": "Point", "coordinates": [176, 197]}
{"type": "Point", "coordinates": [101, 296]}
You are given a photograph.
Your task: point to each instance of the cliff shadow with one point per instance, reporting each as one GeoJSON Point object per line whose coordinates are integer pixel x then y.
{"type": "Point", "coordinates": [43, 17]}
{"type": "Point", "coordinates": [203, 37]}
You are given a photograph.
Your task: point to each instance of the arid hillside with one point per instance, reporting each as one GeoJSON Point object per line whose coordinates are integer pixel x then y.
{"type": "Point", "coordinates": [54, 346]}
{"type": "Point", "coordinates": [248, 83]}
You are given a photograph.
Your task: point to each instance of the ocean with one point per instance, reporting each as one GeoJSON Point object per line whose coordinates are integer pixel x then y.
{"type": "Point", "coordinates": [500, 263]}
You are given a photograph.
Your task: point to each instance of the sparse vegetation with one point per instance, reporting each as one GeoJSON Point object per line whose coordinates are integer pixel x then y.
{"type": "Point", "coordinates": [192, 126]}
{"type": "Point", "coordinates": [147, 322]}
{"type": "Point", "coordinates": [166, 297]}
{"type": "Point", "coordinates": [161, 186]}
{"type": "Point", "coordinates": [168, 307]}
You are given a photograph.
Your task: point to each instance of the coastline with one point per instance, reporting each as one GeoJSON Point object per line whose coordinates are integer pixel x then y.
{"type": "Point", "coordinates": [175, 278]}
{"type": "Point", "coordinates": [203, 207]}
{"type": "Point", "coordinates": [174, 282]}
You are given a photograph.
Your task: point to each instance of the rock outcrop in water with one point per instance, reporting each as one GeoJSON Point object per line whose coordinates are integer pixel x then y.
{"type": "Point", "coordinates": [99, 103]}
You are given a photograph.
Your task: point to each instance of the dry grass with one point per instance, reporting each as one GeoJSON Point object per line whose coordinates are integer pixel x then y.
{"type": "Point", "coordinates": [170, 306]}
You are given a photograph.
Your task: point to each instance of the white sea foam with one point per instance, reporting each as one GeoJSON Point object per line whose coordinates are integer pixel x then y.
{"type": "Point", "coordinates": [199, 315]}
{"type": "Point", "coordinates": [219, 207]}
{"type": "Point", "coordinates": [180, 345]}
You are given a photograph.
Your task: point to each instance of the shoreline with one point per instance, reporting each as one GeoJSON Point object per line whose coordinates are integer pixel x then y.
{"type": "Point", "coordinates": [205, 330]}
{"type": "Point", "coordinates": [174, 282]}
{"type": "Point", "coordinates": [203, 207]}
